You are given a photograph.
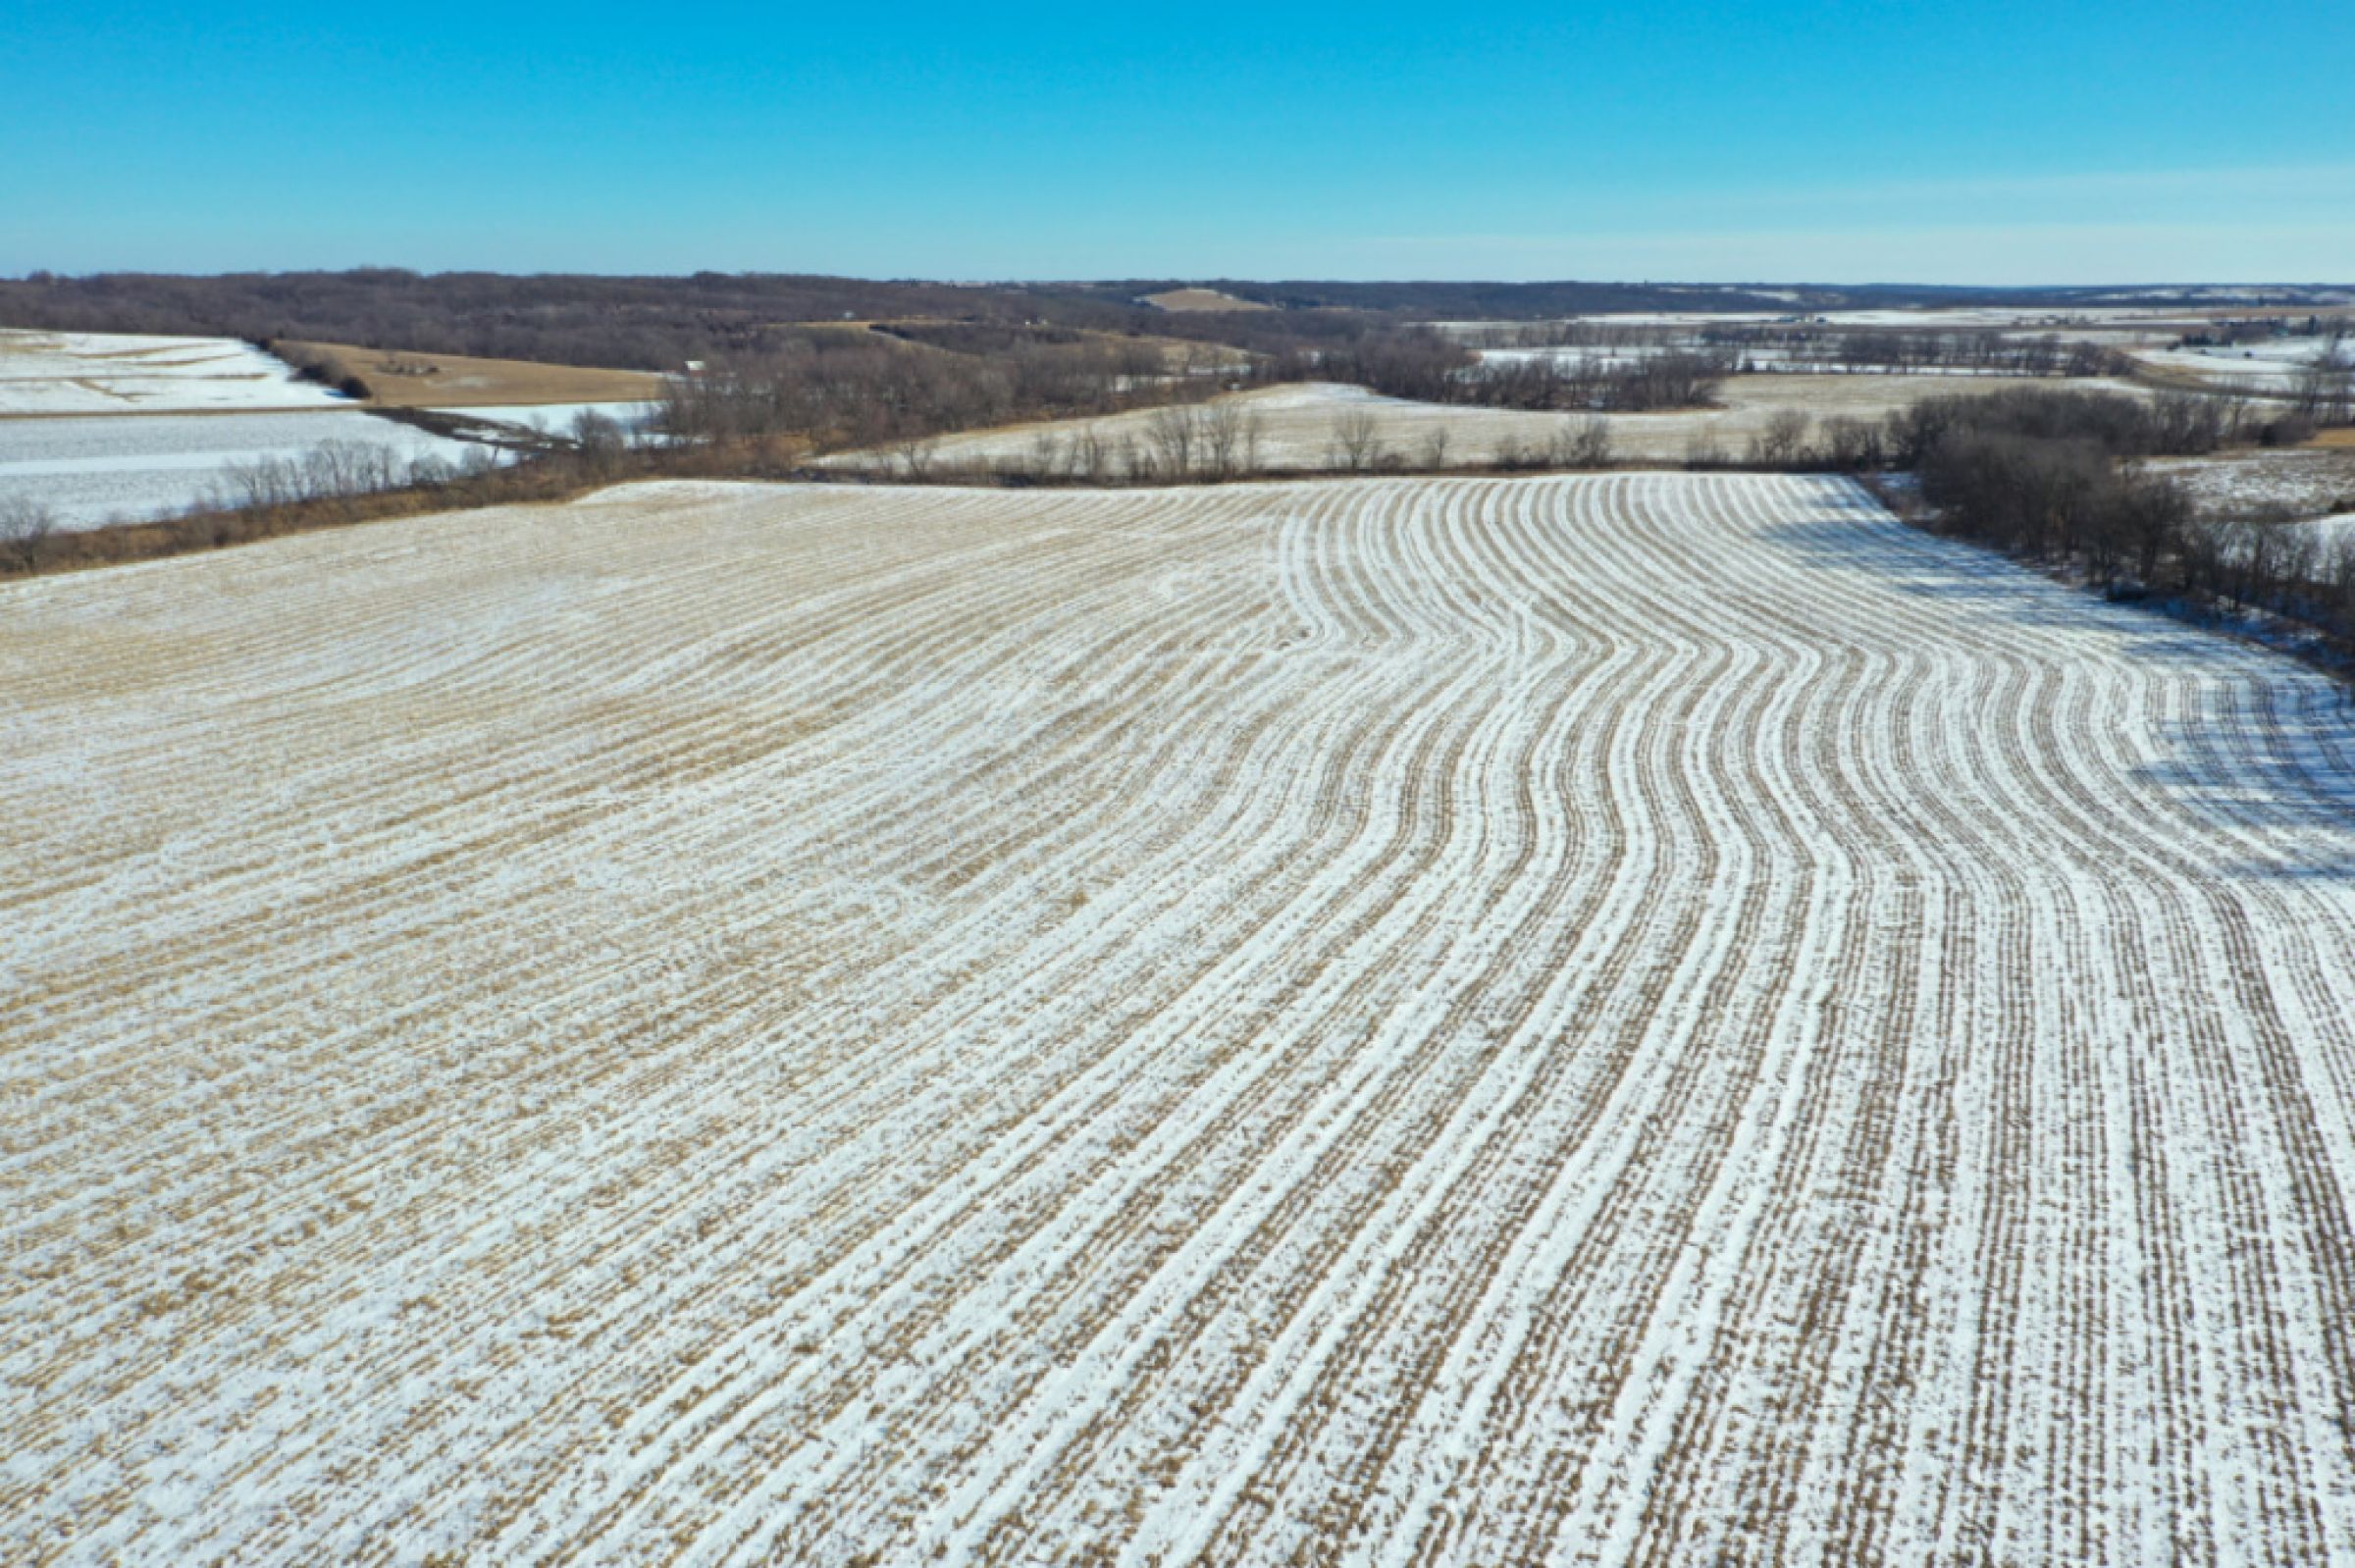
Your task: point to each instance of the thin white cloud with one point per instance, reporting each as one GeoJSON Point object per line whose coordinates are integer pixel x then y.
{"type": "Point", "coordinates": [1981, 253]}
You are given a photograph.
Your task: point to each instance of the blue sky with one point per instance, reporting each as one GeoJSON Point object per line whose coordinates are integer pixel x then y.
{"type": "Point", "coordinates": [1973, 143]}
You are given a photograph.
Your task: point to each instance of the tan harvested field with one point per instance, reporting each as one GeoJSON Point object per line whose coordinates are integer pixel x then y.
{"type": "Point", "coordinates": [1298, 422]}
{"type": "Point", "coordinates": [1640, 1018]}
{"type": "Point", "coordinates": [1185, 299]}
{"type": "Point", "coordinates": [398, 378]}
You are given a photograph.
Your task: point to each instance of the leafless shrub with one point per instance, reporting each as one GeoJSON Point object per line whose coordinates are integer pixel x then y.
{"type": "Point", "coordinates": [1853, 444]}
{"type": "Point", "coordinates": [915, 454]}
{"type": "Point", "coordinates": [1585, 443]}
{"type": "Point", "coordinates": [1046, 454]}
{"type": "Point", "coordinates": [600, 439]}
{"type": "Point", "coordinates": [1782, 440]}
{"type": "Point", "coordinates": [25, 525]}
{"type": "Point", "coordinates": [1356, 443]}
{"type": "Point", "coordinates": [1174, 433]}
{"type": "Point", "coordinates": [1223, 438]}
{"type": "Point", "coordinates": [1135, 460]}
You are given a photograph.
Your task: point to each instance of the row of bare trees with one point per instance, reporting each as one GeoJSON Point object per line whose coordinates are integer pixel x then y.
{"type": "Point", "coordinates": [1218, 441]}
{"type": "Point", "coordinates": [335, 471]}
{"type": "Point", "coordinates": [594, 445]}
{"type": "Point", "coordinates": [2057, 477]}
{"type": "Point", "coordinates": [2169, 423]}
{"type": "Point", "coordinates": [1776, 345]}
{"type": "Point", "coordinates": [2325, 390]}
{"type": "Point", "coordinates": [1179, 443]}
{"type": "Point", "coordinates": [865, 389]}
{"type": "Point", "coordinates": [1583, 380]}
{"type": "Point", "coordinates": [342, 481]}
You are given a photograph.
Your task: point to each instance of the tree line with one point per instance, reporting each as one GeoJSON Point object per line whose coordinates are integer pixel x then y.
{"type": "Point", "coordinates": [2056, 477]}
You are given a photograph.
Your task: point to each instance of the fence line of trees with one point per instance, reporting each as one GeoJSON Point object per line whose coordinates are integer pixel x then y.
{"type": "Point", "coordinates": [339, 480]}
{"type": "Point", "coordinates": [864, 391]}
{"type": "Point", "coordinates": [1769, 346]}
{"type": "Point", "coordinates": [2057, 477]}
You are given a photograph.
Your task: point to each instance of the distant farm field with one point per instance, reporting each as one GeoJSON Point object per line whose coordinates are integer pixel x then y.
{"type": "Point", "coordinates": [405, 379]}
{"type": "Point", "coordinates": [107, 469]}
{"type": "Point", "coordinates": [1299, 423]}
{"type": "Point", "coordinates": [1196, 299]}
{"type": "Point", "coordinates": [52, 373]}
{"type": "Point", "coordinates": [1633, 1017]}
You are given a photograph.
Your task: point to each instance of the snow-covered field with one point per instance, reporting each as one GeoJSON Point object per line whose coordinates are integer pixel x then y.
{"type": "Point", "coordinates": [556, 418]}
{"type": "Point", "coordinates": [107, 469]}
{"type": "Point", "coordinates": [1648, 1017]}
{"type": "Point", "coordinates": [1571, 356]}
{"type": "Point", "coordinates": [1297, 423]}
{"type": "Point", "coordinates": [2279, 365]}
{"type": "Point", "coordinates": [2038, 319]}
{"type": "Point", "coordinates": [1764, 360]}
{"type": "Point", "coordinates": [104, 373]}
{"type": "Point", "coordinates": [2244, 484]}
{"type": "Point", "coordinates": [2330, 534]}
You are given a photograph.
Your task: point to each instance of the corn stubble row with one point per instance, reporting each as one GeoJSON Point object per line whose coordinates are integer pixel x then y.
{"type": "Point", "coordinates": [1627, 1018]}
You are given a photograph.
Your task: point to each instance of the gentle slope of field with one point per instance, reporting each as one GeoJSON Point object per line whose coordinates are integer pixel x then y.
{"type": "Point", "coordinates": [1298, 422]}
{"type": "Point", "coordinates": [1183, 301]}
{"type": "Point", "coordinates": [1656, 1017]}
{"type": "Point", "coordinates": [105, 469]}
{"type": "Point", "coordinates": [102, 373]}
{"type": "Point", "coordinates": [403, 379]}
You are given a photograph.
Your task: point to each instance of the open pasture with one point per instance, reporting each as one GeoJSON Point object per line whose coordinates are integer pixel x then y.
{"type": "Point", "coordinates": [1640, 1017]}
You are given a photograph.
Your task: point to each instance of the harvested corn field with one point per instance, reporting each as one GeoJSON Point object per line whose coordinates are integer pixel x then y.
{"type": "Point", "coordinates": [1632, 1018]}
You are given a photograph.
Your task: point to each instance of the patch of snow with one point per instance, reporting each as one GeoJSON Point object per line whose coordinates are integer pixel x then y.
{"type": "Point", "coordinates": [96, 471]}
{"type": "Point", "coordinates": [109, 373]}
{"type": "Point", "coordinates": [556, 418]}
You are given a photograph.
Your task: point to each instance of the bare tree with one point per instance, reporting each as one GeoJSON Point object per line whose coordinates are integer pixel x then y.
{"type": "Point", "coordinates": [2338, 578]}
{"type": "Point", "coordinates": [1782, 440]}
{"type": "Point", "coordinates": [916, 453]}
{"type": "Point", "coordinates": [1135, 461]}
{"type": "Point", "coordinates": [599, 440]}
{"type": "Point", "coordinates": [24, 524]}
{"type": "Point", "coordinates": [1223, 438]}
{"type": "Point", "coordinates": [1851, 444]}
{"type": "Point", "coordinates": [1434, 447]}
{"type": "Point", "coordinates": [2326, 388]}
{"type": "Point", "coordinates": [1356, 440]}
{"type": "Point", "coordinates": [1591, 442]}
{"type": "Point", "coordinates": [1173, 434]}
{"type": "Point", "coordinates": [1046, 454]}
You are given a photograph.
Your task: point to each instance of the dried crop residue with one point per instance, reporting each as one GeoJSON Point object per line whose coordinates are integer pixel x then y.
{"type": "Point", "coordinates": [400, 379]}
{"type": "Point", "coordinates": [1639, 1017]}
{"type": "Point", "coordinates": [1200, 299]}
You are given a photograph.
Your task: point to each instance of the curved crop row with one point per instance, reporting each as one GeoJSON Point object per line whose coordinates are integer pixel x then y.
{"type": "Point", "coordinates": [1642, 1018]}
